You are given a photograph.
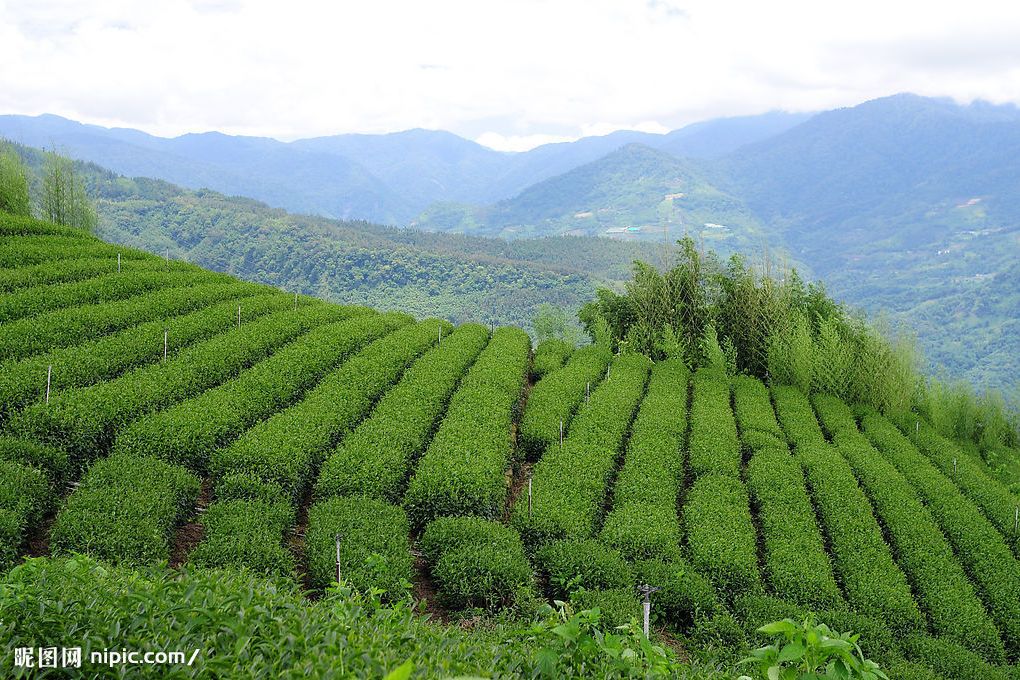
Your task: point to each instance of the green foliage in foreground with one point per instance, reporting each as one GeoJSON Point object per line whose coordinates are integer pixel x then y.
{"type": "Point", "coordinates": [239, 621]}
{"type": "Point", "coordinates": [804, 651]}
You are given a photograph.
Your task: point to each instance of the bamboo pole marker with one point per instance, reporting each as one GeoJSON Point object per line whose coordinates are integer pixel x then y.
{"type": "Point", "coordinates": [561, 433]}
{"type": "Point", "coordinates": [587, 392]}
{"type": "Point", "coordinates": [118, 263]}
{"type": "Point", "coordinates": [954, 467]}
{"type": "Point", "coordinates": [1016, 521]}
{"type": "Point", "coordinates": [295, 300]}
{"type": "Point", "coordinates": [168, 256]}
{"type": "Point", "coordinates": [49, 376]}
{"type": "Point", "coordinates": [166, 344]}
{"type": "Point", "coordinates": [440, 334]}
{"type": "Point", "coordinates": [239, 316]}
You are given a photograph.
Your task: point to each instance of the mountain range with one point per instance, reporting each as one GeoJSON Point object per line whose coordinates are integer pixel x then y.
{"type": "Point", "coordinates": [905, 205]}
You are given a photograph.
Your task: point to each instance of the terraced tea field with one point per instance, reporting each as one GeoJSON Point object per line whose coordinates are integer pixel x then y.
{"type": "Point", "coordinates": [158, 416]}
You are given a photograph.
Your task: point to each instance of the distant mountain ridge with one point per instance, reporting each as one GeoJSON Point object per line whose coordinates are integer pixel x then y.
{"type": "Point", "coordinates": [388, 179]}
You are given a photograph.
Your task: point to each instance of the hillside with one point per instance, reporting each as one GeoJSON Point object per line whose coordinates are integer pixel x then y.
{"type": "Point", "coordinates": [169, 422]}
{"type": "Point", "coordinates": [635, 191]}
{"type": "Point", "coordinates": [461, 278]}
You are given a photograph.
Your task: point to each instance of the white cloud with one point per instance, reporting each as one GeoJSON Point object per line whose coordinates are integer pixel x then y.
{"type": "Point", "coordinates": [547, 70]}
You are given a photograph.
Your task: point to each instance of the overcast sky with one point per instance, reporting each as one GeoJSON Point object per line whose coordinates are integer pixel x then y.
{"type": "Point", "coordinates": [510, 74]}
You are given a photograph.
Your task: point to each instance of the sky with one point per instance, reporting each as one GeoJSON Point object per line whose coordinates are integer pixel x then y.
{"type": "Point", "coordinates": [510, 74]}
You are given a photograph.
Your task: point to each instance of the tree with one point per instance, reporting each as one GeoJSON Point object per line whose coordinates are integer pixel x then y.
{"type": "Point", "coordinates": [64, 198]}
{"type": "Point", "coordinates": [13, 183]}
{"type": "Point", "coordinates": [552, 322]}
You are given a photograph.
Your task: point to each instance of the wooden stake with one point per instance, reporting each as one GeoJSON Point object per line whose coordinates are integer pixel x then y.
{"type": "Point", "coordinates": [49, 376]}
{"type": "Point", "coordinates": [166, 343]}
{"type": "Point", "coordinates": [440, 334]}
{"type": "Point", "coordinates": [1016, 521]}
{"type": "Point", "coordinates": [239, 316]}
{"type": "Point", "coordinates": [587, 392]}
{"type": "Point", "coordinates": [561, 433]}
{"type": "Point", "coordinates": [954, 467]}
{"type": "Point", "coordinates": [118, 263]}
{"type": "Point", "coordinates": [168, 256]}
{"type": "Point", "coordinates": [295, 300]}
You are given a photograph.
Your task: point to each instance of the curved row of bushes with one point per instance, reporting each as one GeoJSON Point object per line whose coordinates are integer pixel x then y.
{"type": "Point", "coordinates": [477, 563]}
{"type": "Point", "coordinates": [755, 416]}
{"type": "Point", "coordinates": [286, 448]}
{"type": "Point", "coordinates": [570, 483]}
{"type": "Point", "coordinates": [720, 535]}
{"type": "Point", "coordinates": [23, 381]}
{"type": "Point", "coordinates": [77, 325]}
{"type": "Point", "coordinates": [643, 522]}
{"type": "Point", "coordinates": [938, 580]}
{"type": "Point", "coordinates": [101, 289]}
{"type": "Point", "coordinates": [795, 559]}
{"type": "Point", "coordinates": [20, 225]}
{"type": "Point", "coordinates": [80, 270]}
{"type": "Point", "coordinates": [374, 550]}
{"type": "Point", "coordinates": [21, 251]}
{"type": "Point", "coordinates": [125, 510]}
{"type": "Point", "coordinates": [556, 397]}
{"type": "Point", "coordinates": [188, 432]}
{"type": "Point", "coordinates": [83, 421]}
{"type": "Point", "coordinates": [796, 416]}
{"type": "Point", "coordinates": [463, 471]}
{"type": "Point", "coordinates": [873, 583]}
{"type": "Point", "coordinates": [550, 355]}
{"type": "Point", "coordinates": [980, 548]}
{"type": "Point", "coordinates": [713, 445]}
{"type": "Point", "coordinates": [25, 495]}
{"type": "Point", "coordinates": [376, 458]}
{"type": "Point", "coordinates": [245, 533]}
{"type": "Point", "coordinates": [994, 499]}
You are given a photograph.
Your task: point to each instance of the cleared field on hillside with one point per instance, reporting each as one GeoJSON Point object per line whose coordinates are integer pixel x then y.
{"type": "Point", "coordinates": [199, 422]}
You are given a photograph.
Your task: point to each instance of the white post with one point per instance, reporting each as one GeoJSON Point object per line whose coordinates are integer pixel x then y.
{"type": "Point", "coordinates": [239, 316]}
{"type": "Point", "coordinates": [561, 432]}
{"type": "Point", "coordinates": [1016, 521]}
{"type": "Point", "coordinates": [338, 579]}
{"type": "Point", "coordinates": [295, 300]}
{"type": "Point", "coordinates": [168, 256]}
{"type": "Point", "coordinates": [440, 334]}
{"type": "Point", "coordinates": [646, 603]}
{"type": "Point", "coordinates": [166, 344]}
{"type": "Point", "coordinates": [529, 498]}
{"type": "Point", "coordinates": [49, 376]}
{"type": "Point", "coordinates": [954, 467]}
{"type": "Point", "coordinates": [587, 392]}
{"type": "Point", "coordinates": [118, 263]}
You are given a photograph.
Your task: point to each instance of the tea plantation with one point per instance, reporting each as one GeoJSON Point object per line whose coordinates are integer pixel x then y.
{"type": "Point", "coordinates": [188, 461]}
